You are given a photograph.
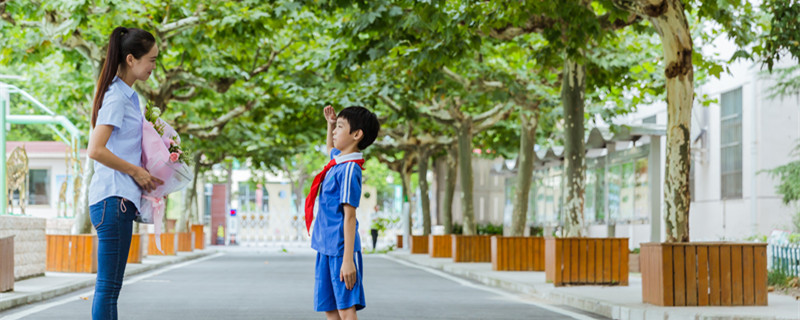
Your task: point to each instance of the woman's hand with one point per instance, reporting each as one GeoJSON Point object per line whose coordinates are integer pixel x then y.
{"type": "Point", "coordinates": [330, 115]}
{"type": "Point", "coordinates": [145, 180]}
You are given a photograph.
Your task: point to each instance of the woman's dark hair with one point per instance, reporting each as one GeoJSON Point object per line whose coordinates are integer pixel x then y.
{"type": "Point", "coordinates": [123, 41]}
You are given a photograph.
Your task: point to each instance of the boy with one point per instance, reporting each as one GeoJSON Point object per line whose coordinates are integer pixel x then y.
{"type": "Point", "coordinates": [339, 290]}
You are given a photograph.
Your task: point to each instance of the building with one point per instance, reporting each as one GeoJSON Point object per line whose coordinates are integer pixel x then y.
{"type": "Point", "coordinates": [47, 163]}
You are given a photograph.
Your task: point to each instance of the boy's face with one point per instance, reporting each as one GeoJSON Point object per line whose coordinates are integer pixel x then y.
{"type": "Point", "coordinates": [342, 138]}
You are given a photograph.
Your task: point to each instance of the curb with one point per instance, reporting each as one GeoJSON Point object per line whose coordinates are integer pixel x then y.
{"type": "Point", "coordinates": [592, 305]}
{"type": "Point", "coordinates": [76, 285]}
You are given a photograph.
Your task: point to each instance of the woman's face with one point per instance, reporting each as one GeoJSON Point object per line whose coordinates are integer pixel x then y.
{"type": "Point", "coordinates": [142, 68]}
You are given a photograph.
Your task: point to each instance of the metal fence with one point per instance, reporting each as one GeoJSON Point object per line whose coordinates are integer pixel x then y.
{"type": "Point", "coordinates": [785, 258]}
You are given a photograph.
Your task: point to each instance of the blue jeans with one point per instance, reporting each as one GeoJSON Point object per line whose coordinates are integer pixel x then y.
{"type": "Point", "coordinates": [113, 219]}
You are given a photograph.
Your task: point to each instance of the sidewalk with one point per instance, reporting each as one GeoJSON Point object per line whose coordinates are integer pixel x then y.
{"type": "Point", "coordinates": [609, 301]}
{"type": "Point", "coordinates": [57, 283]}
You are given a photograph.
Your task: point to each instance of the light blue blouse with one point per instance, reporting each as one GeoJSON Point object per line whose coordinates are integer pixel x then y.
{"type": "Point", "coordinates": [121, 110]}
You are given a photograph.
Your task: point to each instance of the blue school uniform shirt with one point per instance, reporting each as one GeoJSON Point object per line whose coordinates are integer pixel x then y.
{"type": "Point", "coordinates": [121, 110]}
{"type": "Point", "coordinates": [342, 185]}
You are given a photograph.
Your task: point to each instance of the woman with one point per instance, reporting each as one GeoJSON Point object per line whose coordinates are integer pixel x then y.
{"type": "Point", "coordinates": [116, 147]}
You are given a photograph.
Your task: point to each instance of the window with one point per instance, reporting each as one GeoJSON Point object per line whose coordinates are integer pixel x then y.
{"type": "Point", "coordinates": [38, 187]}
{"type": "Point", "coordinates": [650, 119]}
{"type": "Point", "coordinates": [731, 144]}
{"type": "Point", "coordinates": [247, 197]}
{"type": "Point", "coordinates": [626, 193]}
{"type": "Point", "coordinates": [614, 191]}
{"type": "Point", "coordinates": [594, 205]}
{"type": "Point", "coordinates": [265, 199]}
{"type": "Point", "coordinates": [641, 192]}
{"type": "Point", "coordinates": [207, 207]}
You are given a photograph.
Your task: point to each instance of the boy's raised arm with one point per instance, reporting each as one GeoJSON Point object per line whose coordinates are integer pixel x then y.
{"type": "Point", "coordinates": [330, 118]}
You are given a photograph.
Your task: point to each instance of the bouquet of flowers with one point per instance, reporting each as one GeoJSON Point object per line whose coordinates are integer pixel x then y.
{"type": "Point", "coordinates": [163, 158]}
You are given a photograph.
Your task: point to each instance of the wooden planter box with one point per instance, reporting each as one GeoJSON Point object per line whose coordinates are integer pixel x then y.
{"type": "Point", "coordinates": [7, 264]}
{"type": "Point", "coordinates": [586, 261]}
{"type": "Point", "coordinates": [72, 253]}
{"type": "Point", "coordinates": [185, 242]}
{"type": "Point", "coordinates": [440, 246]}
{"type": "Point", "coordinates": [169, 244]}
{"type": "Point", "coordinates": [472, 248]}
{"type": "Point", "coordinates": [199, 237]}
{"type": "Point", "coordinates": [137, 250]}
{"type": "Point", "coordinates": [419, 244]}
{"type": "Point", "coordinates": [517, 253]}
{"type": "Point", "coordinates": [399, 241]}
{"type": "Point", "coordinates": [704, 274]}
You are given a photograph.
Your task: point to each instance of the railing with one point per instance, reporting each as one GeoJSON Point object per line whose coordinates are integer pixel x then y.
{"type": "Point", "coordinates": [785, 258]}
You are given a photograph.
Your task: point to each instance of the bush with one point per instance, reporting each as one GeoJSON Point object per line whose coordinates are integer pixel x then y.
{"type": "Point", "coordinates": [537, 231]}
{"type": "Point", "coordinates": [490, 229]}
{"type": "Point", "coordinates": [777, 278]}
{"type": "Point", "coordinates": [457, 229]}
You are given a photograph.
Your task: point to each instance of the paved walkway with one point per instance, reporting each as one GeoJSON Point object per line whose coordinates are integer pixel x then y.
{"type": "Point", "coordinates": [613, 302]}
{"type": "Point", "coordinates": [56, 283]}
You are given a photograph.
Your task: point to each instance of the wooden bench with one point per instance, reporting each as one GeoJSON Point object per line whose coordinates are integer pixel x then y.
{"type": "Point", "coordinates": [472, 248]}
{"type": "Point", "coordinates": [168, 244]}
{"type": "Point", "coordinates": [7, 264]}
{"type": "Point", "coordinates": [440, 246]}
{"type": "Point", "coordinates": [517, 253]}
{"type": "Point", "coordinates": [71, 253]}
{"type": "Point", "coordinates": [136, 252]}
{"type": "Point", "coordinates": [199, 237]}
{"type": "Point", "coordinates": [704, 274]}
{"type": "Point", "coordinates": [419, 244]}
{"type": "Point", "coordinates": [185, 242]}
{"type": "Point", "coordinates": [579, 261]}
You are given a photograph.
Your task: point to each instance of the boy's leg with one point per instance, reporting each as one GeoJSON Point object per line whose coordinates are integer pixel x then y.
{"type": "Point", "coordinates": [332, 315]}
{"type": "Point", "coordinates": [324, 299]}
{"type": "Point", "coordinates": [348, 298]}
{"type": "Point", "coordinates": [348, 314]}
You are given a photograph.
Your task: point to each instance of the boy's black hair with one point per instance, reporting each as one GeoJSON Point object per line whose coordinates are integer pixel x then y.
{"type": "Point", "coordinates": [362, 119]}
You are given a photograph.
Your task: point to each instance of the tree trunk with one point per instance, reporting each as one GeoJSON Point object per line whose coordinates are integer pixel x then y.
{"type": "Point", "coordinates": [572, 95]}
{"type": "Point", "coordinates": [422, 169]}
{"type": "Point", "coordinates": [406, 180]}
{"type": "Point", "coordinates": [449, 189]}
{"type": "Point", "coordinates": [83, 224]}
{"type": "Point", "coordinates": [464, 132]}
{"type": "Point", "coordinates": [676, 39]}
{"type": "Point", "coordinates": [669, 19]}
{"type": "Point", "coordinates": [524, 174]}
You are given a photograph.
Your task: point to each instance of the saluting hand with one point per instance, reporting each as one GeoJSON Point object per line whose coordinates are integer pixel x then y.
{"type": "Point", "coordinates": [330, 115]}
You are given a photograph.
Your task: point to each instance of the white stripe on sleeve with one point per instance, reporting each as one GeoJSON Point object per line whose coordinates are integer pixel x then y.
{"type": "Point", "coordinates": [346, 185]}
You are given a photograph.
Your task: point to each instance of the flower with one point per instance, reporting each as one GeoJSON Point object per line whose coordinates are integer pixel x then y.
{"type": "Point", "coordinates": [174, 157]}
{"type": "Point", "coordinates": [172, 142]}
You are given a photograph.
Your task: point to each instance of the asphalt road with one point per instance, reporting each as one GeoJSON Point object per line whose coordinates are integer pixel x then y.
{"type": "Point", "coordinates": [254, 284]}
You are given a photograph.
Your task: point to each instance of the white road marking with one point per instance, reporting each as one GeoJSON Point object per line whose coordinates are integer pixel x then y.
{"type": "Point", "coordinates": [505, 294]}
{"type": "Point", "coordinates": [135, 279]}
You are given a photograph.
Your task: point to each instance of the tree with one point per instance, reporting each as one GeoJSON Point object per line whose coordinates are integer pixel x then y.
{"type": "Point", "coordinates": [186, 81]}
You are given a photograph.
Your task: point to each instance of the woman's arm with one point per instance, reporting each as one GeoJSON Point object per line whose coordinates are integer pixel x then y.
{"type": "Point", "coordinates": [99, 152]}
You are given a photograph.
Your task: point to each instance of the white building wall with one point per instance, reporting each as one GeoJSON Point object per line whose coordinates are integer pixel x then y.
{"type": "Point", "coordinates": [770, 130]}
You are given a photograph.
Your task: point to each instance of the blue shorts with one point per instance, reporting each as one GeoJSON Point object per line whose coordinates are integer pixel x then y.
{"type": "Point", "coordinates": [330, 293]}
